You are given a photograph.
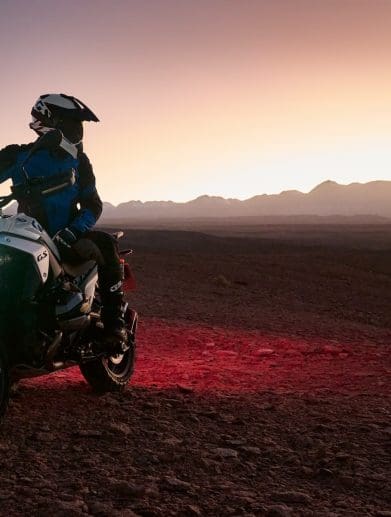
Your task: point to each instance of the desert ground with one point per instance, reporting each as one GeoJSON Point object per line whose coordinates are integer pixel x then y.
{"type": "Point", "coordinates": [262, 385]}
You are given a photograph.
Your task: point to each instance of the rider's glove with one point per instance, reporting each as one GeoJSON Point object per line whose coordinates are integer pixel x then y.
{"type": "Point", "coordinates": [65, 238]}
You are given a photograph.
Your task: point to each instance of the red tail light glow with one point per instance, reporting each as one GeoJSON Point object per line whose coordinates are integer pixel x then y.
{"type": "Point", "coordinates": [129, 281]}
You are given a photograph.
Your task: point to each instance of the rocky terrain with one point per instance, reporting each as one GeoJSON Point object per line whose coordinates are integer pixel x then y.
{"type": "Point", "coordinates": [262, 387]}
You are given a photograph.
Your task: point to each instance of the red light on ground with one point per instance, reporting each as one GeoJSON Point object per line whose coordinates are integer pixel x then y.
{"type": "Point", "coordinates": [176, 355]}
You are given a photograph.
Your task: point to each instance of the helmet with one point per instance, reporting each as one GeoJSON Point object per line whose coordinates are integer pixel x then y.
{"type": "Point", "coordinates": [63, 112]}
{"type": "Point", "coordinates": [52, 107]}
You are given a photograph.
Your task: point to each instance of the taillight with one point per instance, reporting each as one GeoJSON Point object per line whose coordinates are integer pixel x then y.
{"type": "Point", "coordinates": [128, 279]}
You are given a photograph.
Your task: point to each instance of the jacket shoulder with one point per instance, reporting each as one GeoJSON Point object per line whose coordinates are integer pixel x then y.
{"type": "Point", "coordinates": [9, 155]}
{"type": "Point", "coordinates": [10, 151]}
{"type": "Point", "coordinates": [84, 162]}
{"type": "Point", "coordinates": [86, 173]}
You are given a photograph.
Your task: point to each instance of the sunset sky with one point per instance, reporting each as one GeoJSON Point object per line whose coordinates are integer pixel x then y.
{"type": "Point", "coordinates": [222, 97]}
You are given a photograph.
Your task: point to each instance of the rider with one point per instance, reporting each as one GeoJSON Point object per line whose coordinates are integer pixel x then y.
{"type": "Point", "coordinates": [70, 214]}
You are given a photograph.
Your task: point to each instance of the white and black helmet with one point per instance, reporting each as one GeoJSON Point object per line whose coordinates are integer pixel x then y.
{"type": "Point", "coordinates": [63, 112]}
{"type": "Point", "coordinates": [53, 106]}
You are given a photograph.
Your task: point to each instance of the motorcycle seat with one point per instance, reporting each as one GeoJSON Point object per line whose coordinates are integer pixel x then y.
{"type": "Point", "coordinates": [76, 270]}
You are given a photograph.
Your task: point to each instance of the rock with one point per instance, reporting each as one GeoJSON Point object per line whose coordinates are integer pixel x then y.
{"type": "Point", "coordinates": [126, 512]}
{"type": "Point", "coordinates": [325, 473]}
{"type": "Point", "coordinates": [177, 484]}
{"type": "Point", "coordinates": [342, 457]}
{"type": "Point", "coordinates": [228, 419]}
{"type": "Point", "coordinates": [69, 498]}
{"type": "Point", "coordinates": [185, 389]}
{"type": "Point", "coordinates": [226, 353]}
{"type": "Point", "coordinates": [221, 281]}
{"type": "Point", "coordinates": [25, 480]}
{"type": "Point", "coordinates": [379, 477]}
{"type": "Point", "coordinates": [14, 390]}
{"type": "Point", "coordinates": [47, 491]}
{"type": "Point", "coordinates": [88, 433]}
{"type": "Point", "coordinates": [138, 510]}
{"type": "Point", "coordinates": [27, 491]}
{"type": "Point", "coordinates": [6, 494]}
{"type": "Point", "coordinates": [109, 399]}
{"type": "Point", "coordinates": [347, 481]}
{"type": "Point", "coordinates": [152, 491]}
{"type": "Point", "coordinates": [264, 352]}
{"type": "Point", "coordinates": [225, 453]}
{"type": "Point", "coordinates": [268, 407]}
{"type": "Point", "coordinates": [63, 508]}
{"type": "Point", "coordinates": [342, 503]}
{"type": "Point", "coordinates": [125, 489]}
{"type": "Point", "coordinates": [323, 428]}
{"type": "Point", "coordinates": [246, 496]}
{"type": "Point", "coordinates": [278, 510]}
{"type": "Point", "coordinates": [291, 497]}
{"type": "Point", "coordinates": [99, 509]}
{"type": "Point", "coordinates": [120, 428]}
{"type": "Point", "coordinates": [173, 441]}
{"type": "Point", "coordinates": [307, 471]}
{"type": "Point", "coordinates": [332, 350]}
{"type": "Point", "coordinates": [4, 447]}
{"type": "Point", "coordinates": [44, 437]}
{"type": "Point", "coordinates": [256, 451]}
{"type": "Point", "coordinates": [235, 442]}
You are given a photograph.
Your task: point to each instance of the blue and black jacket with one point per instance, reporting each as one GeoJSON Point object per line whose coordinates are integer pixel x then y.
{"type": "Point", "coordinates": [77, 207]}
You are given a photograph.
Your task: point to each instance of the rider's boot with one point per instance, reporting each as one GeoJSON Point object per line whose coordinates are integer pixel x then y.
{"type": "Point", "coordinates": [115, 334]}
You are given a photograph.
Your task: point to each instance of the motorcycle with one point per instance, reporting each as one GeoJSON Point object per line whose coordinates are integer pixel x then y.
{"type": "Point", "coordinates": [50, 310]}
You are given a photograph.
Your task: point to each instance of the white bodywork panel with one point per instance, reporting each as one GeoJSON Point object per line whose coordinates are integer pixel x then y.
{"type": "Point", "coordinates": [37, 250]}
{"type": "Point", "coordinates": [23, 232]}
{"type": "Point", "coordinates": [24, 226]}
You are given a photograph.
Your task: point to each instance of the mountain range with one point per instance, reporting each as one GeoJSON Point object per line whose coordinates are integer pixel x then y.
{"type": "Point", "coordinates": [371, 200]}
{"type": "Point", "coordinates": [327, 199]}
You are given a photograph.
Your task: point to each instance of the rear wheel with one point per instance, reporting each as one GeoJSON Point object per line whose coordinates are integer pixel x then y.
{"type": "Point", "coordinates": [4, 382]}
{"type": "Point", "coordinates": [114, 373]}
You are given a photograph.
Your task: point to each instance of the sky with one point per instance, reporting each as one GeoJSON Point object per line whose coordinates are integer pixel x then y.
{"type": "Point", "coordinates": [222, 97]}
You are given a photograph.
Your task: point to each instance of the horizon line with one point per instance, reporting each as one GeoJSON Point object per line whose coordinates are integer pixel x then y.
{"type": "Point", "coordinates": [246, 198]}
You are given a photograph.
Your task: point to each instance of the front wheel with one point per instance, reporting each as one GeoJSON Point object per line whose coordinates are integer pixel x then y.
{"type": "Point", "coordinates": [114, 373]}
{"type": "Point", "coordinates": [4, 382]}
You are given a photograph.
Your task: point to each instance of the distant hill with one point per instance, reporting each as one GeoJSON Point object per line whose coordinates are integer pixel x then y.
{"type": "Point", "coordinates": [329, 203]}
{"type": "Point", "coordinates": [327, 199]}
